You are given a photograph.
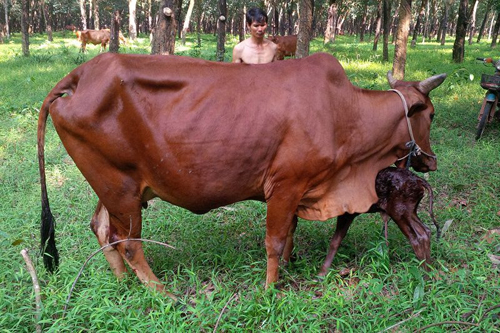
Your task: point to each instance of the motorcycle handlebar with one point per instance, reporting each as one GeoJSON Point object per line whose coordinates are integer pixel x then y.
{"type": "Point", "coordinates": [486, 60]}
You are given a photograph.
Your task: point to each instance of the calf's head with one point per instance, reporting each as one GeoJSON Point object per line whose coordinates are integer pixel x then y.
{"type": "Point", "coordinates": [420, 114]}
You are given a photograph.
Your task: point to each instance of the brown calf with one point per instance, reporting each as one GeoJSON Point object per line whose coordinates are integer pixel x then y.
{"type": "Point", "coordinates": [399, 192]}
{"type": "Point", "coordinates": [286, 46]}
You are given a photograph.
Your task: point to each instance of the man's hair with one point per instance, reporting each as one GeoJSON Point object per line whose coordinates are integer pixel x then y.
{"type": "Point", "coordinates": [256, 15]}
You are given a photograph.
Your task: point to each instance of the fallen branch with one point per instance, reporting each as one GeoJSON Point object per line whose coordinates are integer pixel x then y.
{"type": "Point", "coordinates": [488, 310]}
{"type": "Point", "coordinates": [96, 252]}
{"type": "Point", "coordinates": [446, 323]}
{"type": "Point", "coordinates": [402, 321]}
{"type": "Point", "coordinates": [222, 311]}
{"type": "Point", "coordinates": [36, 287]}
{"type": "Point", "coordinates": [460, 322]}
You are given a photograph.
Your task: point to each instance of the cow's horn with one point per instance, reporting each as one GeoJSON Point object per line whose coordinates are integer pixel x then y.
{"type": "Point", "coordinates": [431, 83]}
{"type": "Point", "coordinates": [392, 80]}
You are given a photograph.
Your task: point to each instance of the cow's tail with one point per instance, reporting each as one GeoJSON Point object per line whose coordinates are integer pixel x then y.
{"type": "Point", "coordinates": [431, 209]}
{"type": "Point", "coordinates": [47, 227]}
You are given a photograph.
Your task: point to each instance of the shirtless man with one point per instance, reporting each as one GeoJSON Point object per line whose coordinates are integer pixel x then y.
{"type": "Point", "coordinates": [256, 49]}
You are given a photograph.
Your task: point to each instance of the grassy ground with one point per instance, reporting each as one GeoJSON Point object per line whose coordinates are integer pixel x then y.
{"type": "Point", "coordinates": [218, 267]}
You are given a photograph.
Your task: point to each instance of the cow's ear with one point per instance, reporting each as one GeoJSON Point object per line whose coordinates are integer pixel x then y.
{"type": "Point", "coordinates": [417, 107]}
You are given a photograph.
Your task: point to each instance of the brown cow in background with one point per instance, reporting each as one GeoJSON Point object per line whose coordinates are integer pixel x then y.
{"type": "Point", "coordinates": [287, 45]}
{"type": "Point", "coordinates": [70, 27]}
{"type": "Point", "coordinates": [96, 37]}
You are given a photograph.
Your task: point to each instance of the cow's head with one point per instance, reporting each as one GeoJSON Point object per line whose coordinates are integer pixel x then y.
{"type": "Point", "coordinates": [420, 115]}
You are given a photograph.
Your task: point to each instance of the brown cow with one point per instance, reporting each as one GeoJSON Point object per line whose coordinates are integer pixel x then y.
{"type": "Point", "coordinates": [287, 45]}
{"type": "Point", "coordinates": [96, 37]}
{"type": "Point", "coordinates": [171, 127]}
{"type": "Point", "coordinates": [400, 192]}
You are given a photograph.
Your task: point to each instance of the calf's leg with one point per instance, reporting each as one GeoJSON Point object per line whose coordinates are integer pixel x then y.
{"type": "Point", "coordinates": [417, 233]}
{"type": "Point", "coordinates": [343, 224]}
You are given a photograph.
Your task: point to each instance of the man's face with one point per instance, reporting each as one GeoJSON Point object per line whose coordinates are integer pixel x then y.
{"type": "Point", "coordinates": [258, 29]}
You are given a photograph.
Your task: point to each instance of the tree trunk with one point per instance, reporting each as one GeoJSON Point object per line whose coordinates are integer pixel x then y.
{"type": "Point", "coordinates": [164, 36]}
{"type": "Point", "coordinates": [242, 25]}
{"type": "Point", "coordinates": [491, 25]}
{"type": "Point", "coordinates": [305, 28]}
{"type": "Point", "coordinates": [378, 24]}
{"type": "Point", "coordinates": [24, 27]}
{"type": "Point", "coordinates": [95, 7]}
{"type": "Point", "coordinates": [444, 22]}
{"type": "Point", "coordinates": [178, 15]}
{"type": "Point", "coordinates": [6, 8]}
{"type": "Point", "coordinates": [185, 26]}
{"type": "Point", "coordinates": [330, 23]}
{"type": "Point", "coordinates": [198, 23]}
{"type": "Point", "coordinates": [114, 42]}
{"type": "Point", "coordinates": [48, 19]}
{"type": "Point", "coordinates": [362, 26]}
{"type": "Point", "coordinates": [461, 32]}
{"type": "Point", "coordinates": [83, 14]}
{"type": "Point", "coordinates": [132, 26]}
{"type": "Point", "coordinates": [399, 63]}
{"type": "Point", "coordinates": [221, 30]}
{"type": "Point", "coordinates": [149, 16]}
{"type": "Point", "coordinates": [472, 24]}
{"type": "Point", "coordinates": [387, 28]}
{"type": "Point", "coordinates": [495, 32]}
{"type": "Point", "coordinates": [420, 18]}
{"type": "Point", "coordinates": [483, 24]}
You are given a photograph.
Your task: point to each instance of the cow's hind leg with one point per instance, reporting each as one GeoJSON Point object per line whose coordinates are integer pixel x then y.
{"type": "Point", "coordinates": [100, 227]}
{"type": "Point", "coordinates": [287, 252]}
{"type": "Point", "coordinates": [343, 224]}
{"type": "Point", "coordinates": [125, 223]}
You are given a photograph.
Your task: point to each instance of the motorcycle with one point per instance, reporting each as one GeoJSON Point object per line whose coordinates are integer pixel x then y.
{"type": "Point", "coordinates": [492, 85]}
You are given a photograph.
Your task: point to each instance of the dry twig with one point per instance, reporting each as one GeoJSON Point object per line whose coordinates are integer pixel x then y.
{"type": "Point", "coordinates": [96, 252]}
{"type": "Point", "coordinates": [446, 323]}
{"type": "Point", "coordinates": [402, 321]}
{"type": "Point", "coordinates": [222, 311]}
{"type": "Point", "coordinates": [36, 287]}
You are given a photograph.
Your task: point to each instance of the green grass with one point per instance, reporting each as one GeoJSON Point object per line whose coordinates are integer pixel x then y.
{"type": "Point", "coordinates": [218, 267]}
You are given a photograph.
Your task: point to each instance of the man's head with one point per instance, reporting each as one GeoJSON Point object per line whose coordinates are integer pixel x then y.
{"type": "Point", "coordinates": [256, 15]}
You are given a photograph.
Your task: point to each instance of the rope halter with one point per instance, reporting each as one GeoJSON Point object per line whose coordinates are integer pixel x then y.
{"type": "Point", "coordinates": [415, 149]}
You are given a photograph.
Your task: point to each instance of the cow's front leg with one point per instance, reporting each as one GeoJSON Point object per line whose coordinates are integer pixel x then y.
{"type": "Point", "coordinates": [280, 217]}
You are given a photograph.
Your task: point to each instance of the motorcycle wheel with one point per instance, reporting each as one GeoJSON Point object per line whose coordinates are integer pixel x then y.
{"type": "Point", "coordinates": [483, 120]}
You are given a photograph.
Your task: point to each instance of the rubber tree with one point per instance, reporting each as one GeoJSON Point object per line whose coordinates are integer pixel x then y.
{"type": "Point", "coordinates": [399, 62]}
{"type": "Point", "coordinates": [305, 27]}
{"type": "Point", "coordinates": [221, 30]}
{"type": "Point", "coordinates": [164, 36]}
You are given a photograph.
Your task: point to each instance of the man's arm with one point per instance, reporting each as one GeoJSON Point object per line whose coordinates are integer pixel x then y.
{"type": "Point", "coordinates": [237, 53]}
